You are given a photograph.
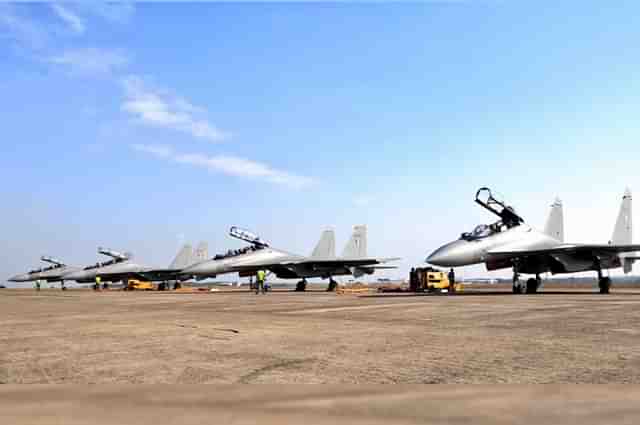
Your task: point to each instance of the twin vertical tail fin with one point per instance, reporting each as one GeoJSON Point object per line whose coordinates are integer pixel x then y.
{"type": "Point", "coordinates": [555, 222]}
{"type": "Point", "coordinates": [201, 253]}
{"type": "Point", "coordinates": [183, 259]}
{"type": "Point", "coordinates": [623, 231]}
{"type": "Point", "coordinates": [357, 245]}
{"type": "Point", "coordinates": [326, 247]}
{"type": "Point", "coordinates": [187, 256]}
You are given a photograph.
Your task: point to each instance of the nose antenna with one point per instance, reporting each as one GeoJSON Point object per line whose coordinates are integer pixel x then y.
{"type": "Point", "coordinates": [507, 214]}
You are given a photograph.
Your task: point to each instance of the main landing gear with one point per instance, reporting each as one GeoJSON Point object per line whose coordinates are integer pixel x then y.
{"type": "Point", "coordinates": [301, 286]}
{"type": "Point", "coordinates": [604, 283]}
{"type": "Point", "coordinates": [332, 285]}
{"type": "Point", "coordinates": [530, 287]}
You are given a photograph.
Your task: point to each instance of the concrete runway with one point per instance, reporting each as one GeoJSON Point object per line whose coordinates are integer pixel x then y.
{"type": "Point", "coordinates": [115, 338]}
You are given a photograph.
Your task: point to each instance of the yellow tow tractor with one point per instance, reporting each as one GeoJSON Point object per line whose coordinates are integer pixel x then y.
{"type": "Point", "coordinates": [138, 285]}
{"type": "Point", "coordinates": [429, 279]}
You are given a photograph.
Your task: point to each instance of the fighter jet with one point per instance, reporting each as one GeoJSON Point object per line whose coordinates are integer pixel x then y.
{"type": "Point", "coordinates": [57, 272]}
{"type": "Point", "coordinates": [510, 243]}
{"type": "Point", "coordinates": [121, 267]}
{"type": "Point", "coordinates": [323, 263]}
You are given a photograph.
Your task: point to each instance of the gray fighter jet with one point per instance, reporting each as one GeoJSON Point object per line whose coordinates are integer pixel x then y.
{"type": "Point", "coordinates": [510, 243]}
{"type": "Point", "coordinates": [323, 263]}
{"type": "Point", "coordinates": [56, 272]}
{"type": "Point", "coordinates": [121, 267]}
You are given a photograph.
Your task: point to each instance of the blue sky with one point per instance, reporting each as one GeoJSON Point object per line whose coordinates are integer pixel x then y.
{"type": "Point", "coordinates": [138, 126]}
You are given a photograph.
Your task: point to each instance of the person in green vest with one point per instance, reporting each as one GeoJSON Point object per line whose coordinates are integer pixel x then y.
{"type": "Point", "coordinates": [260, 277]}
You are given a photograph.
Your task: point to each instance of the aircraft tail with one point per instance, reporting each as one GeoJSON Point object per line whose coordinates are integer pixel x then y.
{"type": "Point", "coordinates": [201, 253]}
{"type": "Point", "coordinates": [357, 245]}
{"type": "Point", "coordinates": [555, 222]}
{"type": "Point", "coordinates": [623, 231]}
{"type": "Point", "coordinates": [326, 247]}
{"type": "Point", "coordinates": [183, 259]}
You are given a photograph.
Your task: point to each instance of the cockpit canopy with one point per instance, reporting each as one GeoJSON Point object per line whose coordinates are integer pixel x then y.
{"type": "Point", "coordinates": [46, 269]}
{"type": "Point", "coordinates": [235, 252]}
{"type": "Point", "coordinates": [106, 263]}
{"type": "Point", "coordinates": [482, 231]}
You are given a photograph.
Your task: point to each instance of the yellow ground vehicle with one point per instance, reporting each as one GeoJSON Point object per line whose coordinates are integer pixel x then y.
{"type": "Point", "coordinates": [423, 279]}
{"type": "Point", "coordinates": [138, 285]}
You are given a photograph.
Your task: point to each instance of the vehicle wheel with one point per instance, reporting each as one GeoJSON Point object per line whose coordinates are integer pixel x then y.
{"type": "Point", "coordinates": [532, 286]}
{"type": "Point", "coordinates": [605, 285]}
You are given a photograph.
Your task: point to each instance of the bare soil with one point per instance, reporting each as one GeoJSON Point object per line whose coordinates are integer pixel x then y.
{"type": "Point", "coordinates": [77, 336]}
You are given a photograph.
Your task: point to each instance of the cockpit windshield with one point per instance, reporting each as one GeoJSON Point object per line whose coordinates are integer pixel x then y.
{"type": "Point", "coordinates": [482, 231]}
{"type": "Point", "coordinates": [106, 263]}
{"type": "Point", "coordinates": [46, 269]}
{"type": "Point", "coordinates": [235, 252]}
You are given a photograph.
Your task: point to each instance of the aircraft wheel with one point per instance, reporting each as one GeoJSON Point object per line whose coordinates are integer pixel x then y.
{"type": "Point", "coordinates": [517, 288]}
{"type": "Point", "coordinates": [332, 285]}
{"type": "Point", "coordinates": [177, 285]}
{"type": "Point", "coordinates": [605, 285]}
{"type": "Point", "coordinates": [532, 286]}
{"type": "Point", "coordinates": [301, 286]}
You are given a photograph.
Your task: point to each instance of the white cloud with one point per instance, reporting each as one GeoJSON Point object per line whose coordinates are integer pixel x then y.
{"type": "Point", "coordinates": [120, 12]}
{"type": "Point", "coordinates": [158, 108]}
{"type": "Point", "coordinates": [157, 150]}
{"type": "Point", "coordinates": [92, 60]}
{"type": "Point", "coordinates": [230, 165]}
{"type": "Point", "coordinates": [73, 21]}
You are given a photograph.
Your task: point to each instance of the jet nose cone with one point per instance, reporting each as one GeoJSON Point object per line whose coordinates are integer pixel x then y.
{"type": "Point", "coordinates": [439, 257]}
{"type": "Point", "coordinates": [453, 254]}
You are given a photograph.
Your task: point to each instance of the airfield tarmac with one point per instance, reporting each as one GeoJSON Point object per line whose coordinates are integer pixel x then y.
{"type": "Point", "coordinates": [79, 336]}
{"type": "Point", "coordinates": [234, 337]}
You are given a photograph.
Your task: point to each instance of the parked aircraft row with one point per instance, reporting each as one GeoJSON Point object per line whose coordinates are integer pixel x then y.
{"type": "Point", "coordinates": [258, 255]}
{"type": "Point", "coordinates": [507, 243]}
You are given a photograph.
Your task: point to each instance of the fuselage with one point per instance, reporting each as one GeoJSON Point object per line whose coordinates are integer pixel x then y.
{"type": "Point", "coordinates": [50, 274]}
{"type": "Point", "coordinates": [232, 263]}
{"type": "Point", "coordinates": [107, 272]}
{"type": "Point", "coordinates": [465, 252]}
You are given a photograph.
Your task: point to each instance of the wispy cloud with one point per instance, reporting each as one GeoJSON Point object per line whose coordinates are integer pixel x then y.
{"type": "Point", "coordinates": [230, 165]}
{"type": "Point", "coordinates": [363, 200]}
{"type": "Point", "coordinates": [120, 12]}
{"type": "Point", "coordinates": [72, 20]}
{"type": "Point", "coordinates": [159, 108]}
{"type": "Point", "coordinates": [21, 29]}
{"type": "Point", "coordinates": [92, 60]}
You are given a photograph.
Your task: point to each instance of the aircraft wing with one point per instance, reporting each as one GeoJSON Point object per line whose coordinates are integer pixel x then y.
{"type": "Point", "coordinates": [581, 250]}
{"type": "Point", "coordinates": [298, 264]}
{"type": "Point", "coordinates": [345, 262]}
{"type": "Point", "coordinates": [607, 250]}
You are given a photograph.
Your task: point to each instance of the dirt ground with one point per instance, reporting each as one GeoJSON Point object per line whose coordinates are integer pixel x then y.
{"type": "Point", "coordinates": [485, 337]}
{"type": "Point", "coordinates": [79, 336]}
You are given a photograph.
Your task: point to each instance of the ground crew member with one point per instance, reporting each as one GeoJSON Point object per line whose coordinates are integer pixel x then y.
{"type": "Point", "coordinates": [452, 280]}
{"type": "Point", "coordinates": [37, 285]}
{"type": "Point", "coordinates": [260, 277]}
{"type": "Point", "coordinates": [96, 287]}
